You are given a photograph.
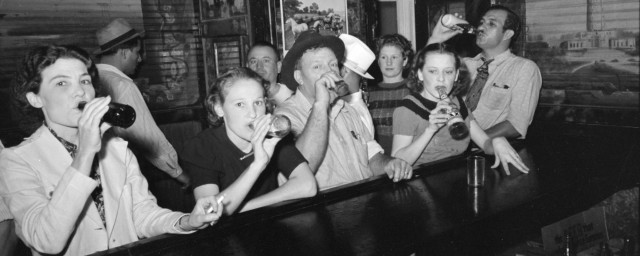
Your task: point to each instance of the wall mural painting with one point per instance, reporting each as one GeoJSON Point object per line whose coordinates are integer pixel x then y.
{"type": "Point", "coordinates": [588, 58]}
{"type": "Point", "coordinates": [167, 80]}
{"type": "Point", "coordinates": [327, 17]}
{"type": "Point", "coordinates": [176, 48]}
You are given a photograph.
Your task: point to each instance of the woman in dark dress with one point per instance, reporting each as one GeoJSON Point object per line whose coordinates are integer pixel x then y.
{"type": "Point", "coordinates": [235, 157]}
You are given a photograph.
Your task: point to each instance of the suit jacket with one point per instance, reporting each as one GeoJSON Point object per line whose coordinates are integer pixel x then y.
{"type": "Point", "coordinates": [52, 205]}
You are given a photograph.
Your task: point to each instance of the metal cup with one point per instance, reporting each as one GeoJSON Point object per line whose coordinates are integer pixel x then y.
{"type": "Point", "coordinates": [475, 171]}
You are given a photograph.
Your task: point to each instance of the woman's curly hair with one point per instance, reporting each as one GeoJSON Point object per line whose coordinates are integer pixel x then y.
{"type": "Point", "coordinates": [28, 78]}
{"type": "Point", "coordinates": [460, 86]}
{"type": "Point", "coordinates": [401, 42]}
{"type": "Point", "coordinates": [219, 89]}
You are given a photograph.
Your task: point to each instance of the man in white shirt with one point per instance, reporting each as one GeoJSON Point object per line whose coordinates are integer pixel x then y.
{"type": "Point", "coordinates": [119, 55]}
{"type": "Point", "coordinates": [329, 133]}
{"type": "Point", "coordinates": [509, 95]}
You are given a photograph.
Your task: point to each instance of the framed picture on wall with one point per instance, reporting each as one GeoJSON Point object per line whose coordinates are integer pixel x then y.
{"type": "Point", "coordinates": [222, 9]}
{"type": "Point", "coordinates": [226, 27]}
{"type": "Point", "coordinates": [328, 17]}
{"type": "Point", "coordinates": [355, 19]}
{"type": "Point", "coordinates": [224, 17]}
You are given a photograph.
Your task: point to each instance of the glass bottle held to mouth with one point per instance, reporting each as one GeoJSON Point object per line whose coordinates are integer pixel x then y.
{"type": "Point", "coordinates": [457, 128]}
{"type": "Point", "coordinates": [118, 114]}
{"type": "Point", "coordinates": [279, 127]}
{"type": "Point", "coordinates": [454, 23]}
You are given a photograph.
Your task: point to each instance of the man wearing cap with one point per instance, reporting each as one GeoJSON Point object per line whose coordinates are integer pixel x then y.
{"type": "Point", "coordinates": [358, 58]}
{"type": "Point", "coordinates": [119, 55]}
{"type": "Point", "coordinates": [263, 58]}
{"type": "Point", "coordinates": [330, 134]}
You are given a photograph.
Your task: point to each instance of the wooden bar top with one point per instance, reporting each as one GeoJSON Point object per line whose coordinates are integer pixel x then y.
{"type": "Point", "coordinates": [435, 213]}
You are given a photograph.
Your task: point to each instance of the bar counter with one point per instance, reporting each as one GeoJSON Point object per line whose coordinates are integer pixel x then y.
{"type": "Point", "coordinates": [435, 213]}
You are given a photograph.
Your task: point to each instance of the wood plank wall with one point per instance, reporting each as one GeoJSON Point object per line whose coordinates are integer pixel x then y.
{"type": "Point", "coordinates": [27, 23]}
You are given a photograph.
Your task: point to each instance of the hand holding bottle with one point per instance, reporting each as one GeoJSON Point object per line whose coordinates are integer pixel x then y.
{"type": "Point", "coordinates": [89, 133]}
{"type": "Point", "coordinates": [329, 87]}
{"type": "Point", "coordinates": [442, 33]}
{"type": "Point", "coordinates": [454, 22]}
{"type": "Point", "coordinates": [263, 147]}
{"type": "Point", "coordinates": [457, 127]}
{"type": "Point", "coordinates": [439, 116]}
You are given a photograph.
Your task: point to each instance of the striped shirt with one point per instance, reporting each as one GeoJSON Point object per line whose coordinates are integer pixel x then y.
{"type": "Point", "coordinates": [383, 99]}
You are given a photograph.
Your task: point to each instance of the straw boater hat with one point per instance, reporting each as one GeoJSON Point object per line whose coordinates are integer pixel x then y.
{"type": "Point", "coordinates": [117, 32]}
{"type": "Point", "coordinates": [358, 56]}
{"type": "Point", "coordinates": [307, 40]}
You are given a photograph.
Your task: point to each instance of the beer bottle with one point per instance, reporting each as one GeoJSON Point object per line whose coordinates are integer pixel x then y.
{"type": "Point", "coordinates": [452, 22]}
{"type": "Point", "coordinates": [457, 128]}
{"type": "Point", "coordinates": [118, 114]}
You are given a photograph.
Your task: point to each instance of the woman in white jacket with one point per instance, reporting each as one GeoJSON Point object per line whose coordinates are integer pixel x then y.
{"type": "Point", "coordinates": [73, 187]}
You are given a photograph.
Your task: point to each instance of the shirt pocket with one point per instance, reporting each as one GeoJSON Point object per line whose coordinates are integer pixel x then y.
{"type": "Point", "coordinates": [497, 96]}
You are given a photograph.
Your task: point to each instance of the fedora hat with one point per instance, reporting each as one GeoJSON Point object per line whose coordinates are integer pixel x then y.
{"type": "Point", "coordinates": [358, 56]}
{"type": "Point", "coordinates": [115, 33]}
{"type": "Point", "coordinates": [307, 40]}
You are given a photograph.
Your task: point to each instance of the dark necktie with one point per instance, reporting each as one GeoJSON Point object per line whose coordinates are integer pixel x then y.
{"type": "Point", "coordinates": [476, 88]}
